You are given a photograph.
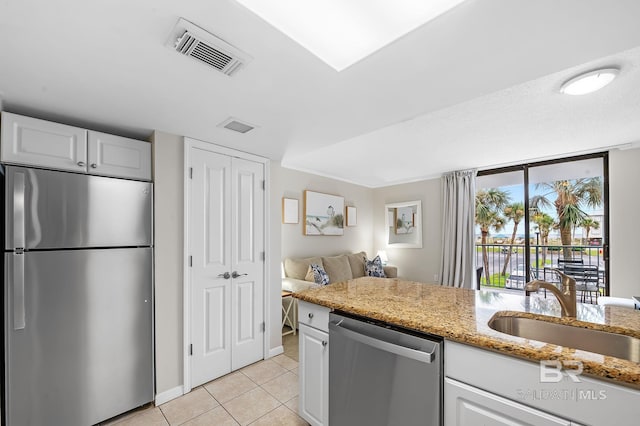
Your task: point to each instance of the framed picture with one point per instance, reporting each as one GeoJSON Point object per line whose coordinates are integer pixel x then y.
{"type": "Point", "coordinates": [290, 210]}
{"type": "Point", "coordinates": [323, 214]}
{"type": "Point", "coordinates": [352, 216]}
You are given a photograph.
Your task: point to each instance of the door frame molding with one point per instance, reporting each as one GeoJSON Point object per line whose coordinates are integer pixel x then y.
{"type": "Point", "coordinates": [207, 146]}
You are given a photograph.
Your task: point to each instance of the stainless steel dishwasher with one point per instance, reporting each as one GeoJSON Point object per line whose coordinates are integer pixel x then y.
{"type": "Point", "coordinates": [382, 375]}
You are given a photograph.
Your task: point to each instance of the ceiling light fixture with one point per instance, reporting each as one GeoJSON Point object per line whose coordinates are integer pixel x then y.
{"type": "Point", "coordinates": [341, 32]}
{"type": "Point", "coordinates": [589, 82]}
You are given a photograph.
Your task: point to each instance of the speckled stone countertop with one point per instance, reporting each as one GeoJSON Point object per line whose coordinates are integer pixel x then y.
{"type": "Point", "coordinates": [462, 315]}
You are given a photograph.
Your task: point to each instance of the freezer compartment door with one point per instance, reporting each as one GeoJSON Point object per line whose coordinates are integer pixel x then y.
{"type": "Point", "coordinates": [83, 352]}
{"type": "Point", "coordinates": [49, 209]}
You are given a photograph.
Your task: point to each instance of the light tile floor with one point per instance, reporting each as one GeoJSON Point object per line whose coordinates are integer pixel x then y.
{"type": "Point", "coordinates": [264, 393]}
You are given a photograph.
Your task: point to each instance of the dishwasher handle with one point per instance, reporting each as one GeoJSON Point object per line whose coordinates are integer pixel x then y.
{"type": "Point", "coordinates": [421, 356]}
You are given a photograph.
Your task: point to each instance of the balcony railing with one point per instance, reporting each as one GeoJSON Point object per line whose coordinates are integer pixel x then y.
{"type": "Point", "coordinates": [543, 258]}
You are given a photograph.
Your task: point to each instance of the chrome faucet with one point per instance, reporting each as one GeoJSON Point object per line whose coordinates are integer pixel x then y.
{"type": "Point", "coordinates": [566, 297]}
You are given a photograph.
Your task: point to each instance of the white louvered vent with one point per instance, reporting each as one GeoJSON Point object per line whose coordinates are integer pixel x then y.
{"type": "Point", "coordinates": [193, 41]}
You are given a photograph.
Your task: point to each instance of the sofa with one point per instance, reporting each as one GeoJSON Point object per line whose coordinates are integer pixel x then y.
{"type": "Point", "coordinates": [339, 268]}
{"type": "Point", "coordinates": [296, 277]}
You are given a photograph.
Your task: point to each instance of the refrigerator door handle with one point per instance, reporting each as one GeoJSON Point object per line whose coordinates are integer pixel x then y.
{"type": "Point", "coordinates": [18, 210]}
{"type": "Point", "coordinates": [18, 291]}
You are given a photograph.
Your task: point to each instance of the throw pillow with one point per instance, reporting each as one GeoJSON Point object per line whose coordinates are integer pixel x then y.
{"type": "Point", "coordinates": [319, 274]}
{"type": "Point", "coordinates": [374, 268]}
{"type": "Point", "coordinates": [338, 268]}
{"type": "Point", "coordinates": [310, 275]}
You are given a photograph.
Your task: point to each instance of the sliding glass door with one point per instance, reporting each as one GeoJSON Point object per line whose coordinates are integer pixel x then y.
{"type": "Point", "coordinates": [535, 219]}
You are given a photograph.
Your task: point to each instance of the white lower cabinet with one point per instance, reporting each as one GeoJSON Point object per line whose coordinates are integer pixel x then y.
{"type": "Point", "coordinates": [483, 387]}
{"type": "Point", "coordinates": [314, 366]}
{"type": "Point", "coordinates": [469, 406]}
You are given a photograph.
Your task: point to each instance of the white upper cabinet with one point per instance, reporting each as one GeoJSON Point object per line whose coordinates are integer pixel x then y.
{"type": "Point", "coordinates": [33, 142]}
{"type": "Point", "coordinates": [30, 141]}
{"type": "Point", "coordinates": [111, 155]}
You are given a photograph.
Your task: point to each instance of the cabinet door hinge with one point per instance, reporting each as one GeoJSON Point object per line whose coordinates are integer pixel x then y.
{"type": "Point", "coordinates": [190, 172]}
{"type": "Point", "coordinates": [262, 327]}
{"type": "Point", "coordinates": [262, 255]}
{"type": "Point", "coordinates": [264, 184]}
{"type": "Point", "coordinates": [190, 261]}
{"type": "Point", "coordinates": [191, 349]}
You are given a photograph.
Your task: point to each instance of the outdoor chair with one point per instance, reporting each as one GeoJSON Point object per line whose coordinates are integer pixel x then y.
{"type": "Point", "coordinates": [587, 278]}
{"type": "Point", "coordinates": [479, 276]}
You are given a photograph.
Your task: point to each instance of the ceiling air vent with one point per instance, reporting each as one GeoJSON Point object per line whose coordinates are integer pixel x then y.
{"type": "Point", "coordinates": [193, 41]}
{"type": "Point", "coordinates": [236, 125]}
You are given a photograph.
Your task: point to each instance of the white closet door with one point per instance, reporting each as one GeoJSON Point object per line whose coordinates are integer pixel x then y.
{"type": "Point", "coordinates": [226, 238]}
{"type": "Point", "coordinates": [210, 240]}
{"type": "Point", "coordinates": [247, 262]}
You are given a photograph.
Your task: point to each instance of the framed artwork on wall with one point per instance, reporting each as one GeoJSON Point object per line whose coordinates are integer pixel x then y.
{"type": "Point", "coordinates": [323, 214]}
{"type": "Point", "coordinates": [290, 210]}
{"type": "Point", "coordinates": [352, 216]}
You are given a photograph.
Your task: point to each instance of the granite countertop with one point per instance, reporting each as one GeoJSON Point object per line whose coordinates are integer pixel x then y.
{"type": "Point", "coordinates": [462, 315]}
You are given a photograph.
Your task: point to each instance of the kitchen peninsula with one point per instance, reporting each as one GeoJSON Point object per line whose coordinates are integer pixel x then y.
{"type": "Point", "coordinates": [505, 367]}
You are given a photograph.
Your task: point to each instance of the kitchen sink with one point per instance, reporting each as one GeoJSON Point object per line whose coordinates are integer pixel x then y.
{"type": "Point", "coordinates": [601, 342]}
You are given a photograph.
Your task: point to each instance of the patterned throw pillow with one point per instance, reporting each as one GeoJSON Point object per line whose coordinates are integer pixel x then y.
{"type": "Point", "coordinates": [374, 268]}
{"type": "Point", "coordinates": [319, 274]}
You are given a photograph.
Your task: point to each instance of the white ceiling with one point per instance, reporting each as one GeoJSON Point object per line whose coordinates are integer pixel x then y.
{"type": "Point", "coordinates": [476, 87]}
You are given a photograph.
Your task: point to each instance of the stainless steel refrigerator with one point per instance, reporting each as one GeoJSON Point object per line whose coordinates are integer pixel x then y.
{"type": "Point", "coordinates": [78, 316]}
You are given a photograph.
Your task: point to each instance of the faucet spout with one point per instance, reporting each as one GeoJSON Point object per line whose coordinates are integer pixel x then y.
{"type": "Point", "coordinates": [566, 297]}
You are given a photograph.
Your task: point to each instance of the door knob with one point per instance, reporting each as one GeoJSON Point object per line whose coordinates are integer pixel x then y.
{"type": "Point", "coordinates": [81, 163]}
{"type": "Point", "coordinates": [235, 274]}
{"type": "Point", "coordinates": [94, 166]}
{"type": "Point", "coordinates": [226, 275]}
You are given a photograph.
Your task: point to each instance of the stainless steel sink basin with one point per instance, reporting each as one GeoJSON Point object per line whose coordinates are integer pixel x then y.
{"type": "Point", "coordinates": [601, 342]}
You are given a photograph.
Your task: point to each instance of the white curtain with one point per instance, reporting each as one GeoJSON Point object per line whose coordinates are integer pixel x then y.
{"type": "Point", "coordinates": [458, 217]}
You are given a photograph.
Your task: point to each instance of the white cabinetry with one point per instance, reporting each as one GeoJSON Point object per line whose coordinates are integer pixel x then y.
{"type": "Point", "coordinates": [34, 142]}
{"type": "Point", "coordinates": [314, 363]}
{"type": "Point", "coordinates": [111, 155]}
{"type": "Point", "coordinates": [469, 406]}
{"type": "Point", "coordinates": [509, 390]}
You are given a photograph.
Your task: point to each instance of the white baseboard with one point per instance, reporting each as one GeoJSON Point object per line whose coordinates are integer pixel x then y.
{"type": "Point", "coordinates": [168, 395]}
{"type": "Point", "coordinates": [275, 351]}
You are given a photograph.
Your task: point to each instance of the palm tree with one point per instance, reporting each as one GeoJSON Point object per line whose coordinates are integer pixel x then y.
{"type": "Point", "coordinates": [545, 225]}
{"type": "Point", "coordinates": [513, 212]}
{"type": "Point", "coordinates": [571, 197]}
{"type": "Point", "coordinates": [489, 205]}
{"type": "Point", "coordinates": [588, 224]}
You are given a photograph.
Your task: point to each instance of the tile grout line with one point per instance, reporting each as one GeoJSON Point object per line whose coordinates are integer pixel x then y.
{"type": "Point", "coordinates": [268, 412]}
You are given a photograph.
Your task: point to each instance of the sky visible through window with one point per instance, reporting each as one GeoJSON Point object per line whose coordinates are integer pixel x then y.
{"type": "Point", "coordinates": [516, 194]}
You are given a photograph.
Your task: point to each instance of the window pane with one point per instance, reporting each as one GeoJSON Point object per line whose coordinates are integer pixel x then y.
{"type": "Point", "coordinates": [500, 232]}
{"type": "Point", "coordinates": [567, 219]}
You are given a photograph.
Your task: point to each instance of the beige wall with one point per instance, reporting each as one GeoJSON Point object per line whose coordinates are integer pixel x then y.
{"type": "Point", "coordinates": [413, 263]}
{"type": "Point", "coordinates": [168, 159]}
{"type": "Point", "coordinates": [291, 184]}
{"type": "Point", "coordinates": [624, 207]}
{"type": "Point", "coordinates": [274, 283]}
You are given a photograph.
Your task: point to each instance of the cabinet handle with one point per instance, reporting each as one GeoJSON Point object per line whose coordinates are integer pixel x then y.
{"type": "Point", "coordinates": [235, 274]}
{"type": "Point", "coordinates": [324, 343]}
{"type": "Point", "coordinates": [226, 275]}
{"type": "Point", "coordinates": [81, 163]}
{"type": "Point", "coordinates": [310, 315]}
{"type": "Point", "coordinates": [94, 166]}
